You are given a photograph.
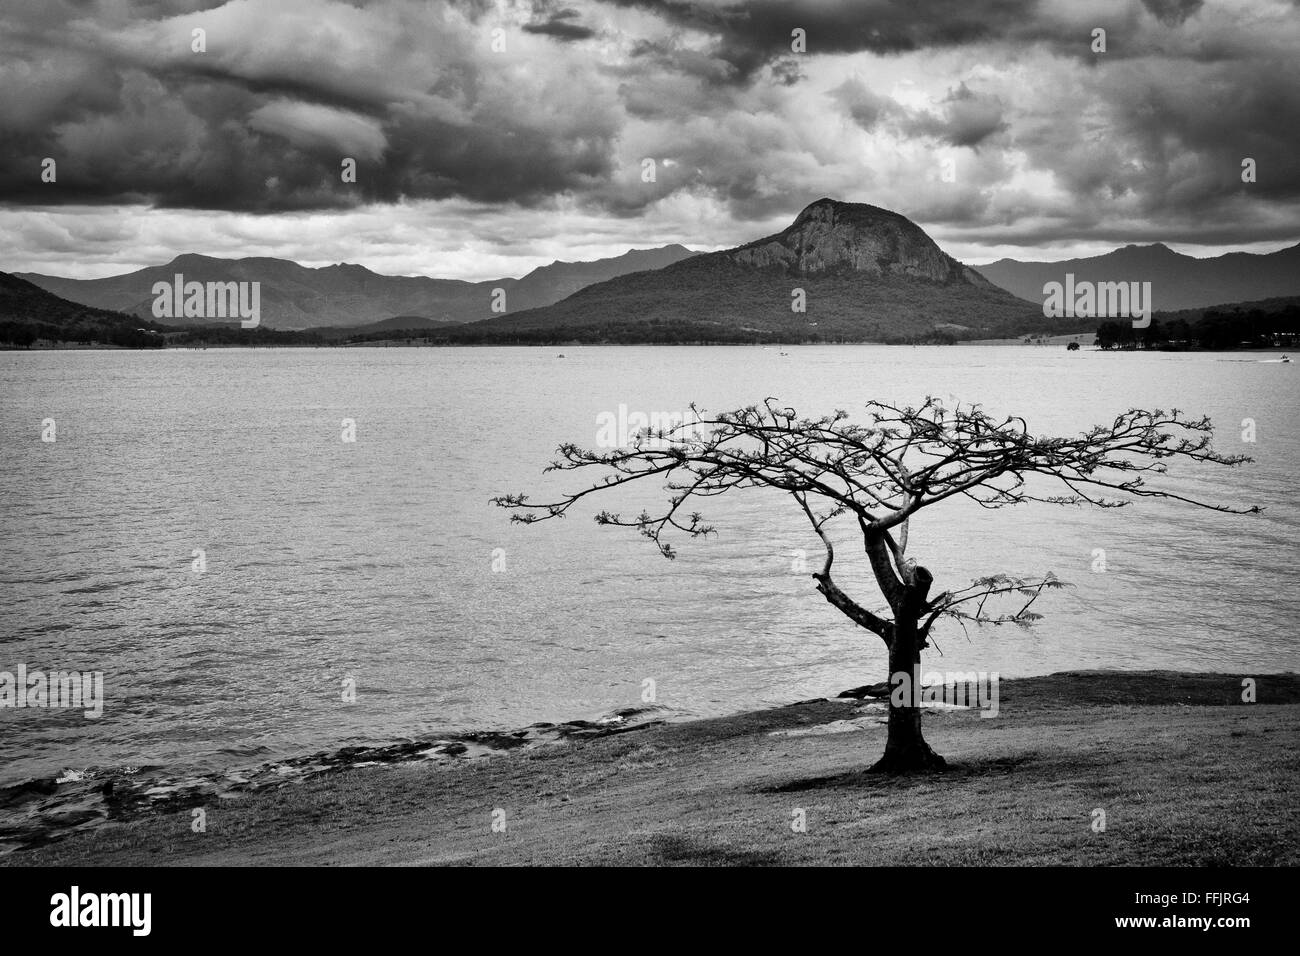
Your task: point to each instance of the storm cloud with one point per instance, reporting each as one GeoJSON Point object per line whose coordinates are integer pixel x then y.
{"type": "Point", "coordinates": [994, 123]}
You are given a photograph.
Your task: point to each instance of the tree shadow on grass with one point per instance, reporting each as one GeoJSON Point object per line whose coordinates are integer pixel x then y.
{"type": "Point", "coordinates": [866, 779]}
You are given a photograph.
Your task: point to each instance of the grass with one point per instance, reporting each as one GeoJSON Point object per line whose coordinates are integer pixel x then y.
{"type": "Point", "coordinates": [1185, 775]}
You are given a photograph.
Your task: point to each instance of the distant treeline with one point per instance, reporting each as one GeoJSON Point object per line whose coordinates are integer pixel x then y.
{"type": "Point", "coordinates": [671, 332]}
{"type": "Point", "coordinates": [652, 332]}
{"type": "Point", "coordinates": [235, 335]}
{"type": "Point", "coordinates": [1223, 328]}
{"type": "Point", "coordinates": [1216, 329]}
{"type": "Point", "coordinates": [126, 335]}
{"type": "Point", "coordinates": [30, 316]}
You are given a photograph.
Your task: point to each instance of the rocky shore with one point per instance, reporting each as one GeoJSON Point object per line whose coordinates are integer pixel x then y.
{"type": "Point", "coordinates": [1183, 769]}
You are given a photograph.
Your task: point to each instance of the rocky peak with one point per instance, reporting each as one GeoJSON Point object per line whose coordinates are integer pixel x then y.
{"type": "Point", "coordinates": [829, 236]}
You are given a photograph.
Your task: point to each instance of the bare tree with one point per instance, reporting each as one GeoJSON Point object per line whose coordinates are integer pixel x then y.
{"type": "Point", "coordinates": [879, 474]}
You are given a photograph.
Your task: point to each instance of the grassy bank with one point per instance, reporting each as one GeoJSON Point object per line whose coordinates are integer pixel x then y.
{"type": "Point", "coordinates": [1186, 775]}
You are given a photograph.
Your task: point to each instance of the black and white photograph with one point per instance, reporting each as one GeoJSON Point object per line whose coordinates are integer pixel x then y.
{"type": "Point", "coordinates": [650, 435]}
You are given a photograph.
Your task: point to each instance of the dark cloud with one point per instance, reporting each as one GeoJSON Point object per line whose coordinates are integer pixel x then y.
{"type": "Point", "coordinates": [756, 33]}
{"type": "Point", "coordinates": [1052, 138]}
{"type": "Point", "coordinates": [1166, 144]}
{"type": "Point", "coordinates": [559, 25]}
{"type": "Point", "coordinates": [670, 56]}
{"type": "Point", "coordinates": [862, 105]}
{"type": "Point", "coordinates": [752, 34]}
{"type": "Point", "coordinates": [416, 96]}
{"type": "Point", "coordinates": [560, 30]}
{"type": "Point", "coordinates": [965, 118]}
{"type": "Point", "coordinates": [1173, 11]}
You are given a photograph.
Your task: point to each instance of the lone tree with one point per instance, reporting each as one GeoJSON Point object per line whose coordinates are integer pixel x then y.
{"type": "Point", "coordinates": [879, 474]}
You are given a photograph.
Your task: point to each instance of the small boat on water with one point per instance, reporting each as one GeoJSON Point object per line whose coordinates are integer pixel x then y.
{"type": "Point", "coordinates": [1286, 358]}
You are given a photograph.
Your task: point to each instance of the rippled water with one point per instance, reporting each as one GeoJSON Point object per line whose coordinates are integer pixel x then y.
{"type": "Point", "coordinates": [374, 560]}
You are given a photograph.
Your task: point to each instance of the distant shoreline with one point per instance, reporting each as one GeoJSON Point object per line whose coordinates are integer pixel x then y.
{"type": "Point", "coordinates": [1057, 341]}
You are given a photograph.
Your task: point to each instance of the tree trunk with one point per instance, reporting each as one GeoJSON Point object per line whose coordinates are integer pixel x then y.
{"type": "Point", "coordinates": [906, 750]}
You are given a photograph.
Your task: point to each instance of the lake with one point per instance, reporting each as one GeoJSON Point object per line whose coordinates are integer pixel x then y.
{"type": "Point", "coordinates": [379, 563]}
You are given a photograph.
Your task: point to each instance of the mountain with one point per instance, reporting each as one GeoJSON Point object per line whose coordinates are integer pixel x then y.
{"type": "Point", "coordinates": [867, 274]}
{"type": "Point", "coordinates": [397, 323]}
{"type": "Point", "coordinates": [548, 284]}
{"type": "Point", "coordinates": [1177, 281]}
{"type": "Point", "coordinates": [1260, 306]}
{"type": "Point", "coordinates": [29, 314]}
{"type": "Point", "coordinates": [294, 296]}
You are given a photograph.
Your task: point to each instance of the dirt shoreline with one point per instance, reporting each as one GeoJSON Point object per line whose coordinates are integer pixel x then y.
{"type": "Point", "coordinates": [1184, 772]}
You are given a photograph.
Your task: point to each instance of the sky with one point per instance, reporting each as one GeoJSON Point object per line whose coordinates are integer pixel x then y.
{"type": "Point", "coordinates": [490, 137]}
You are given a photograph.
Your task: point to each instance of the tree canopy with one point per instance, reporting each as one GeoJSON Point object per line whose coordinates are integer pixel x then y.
{"type": "Point", "coordinates": [878, 474]}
